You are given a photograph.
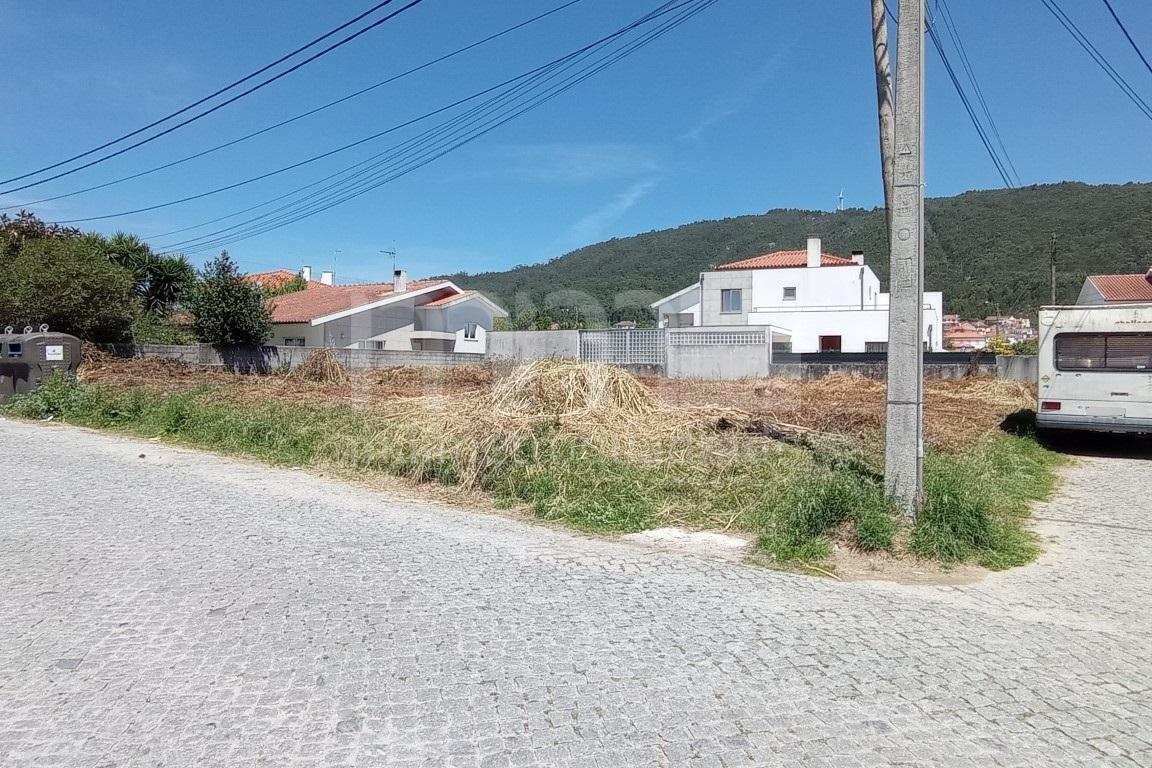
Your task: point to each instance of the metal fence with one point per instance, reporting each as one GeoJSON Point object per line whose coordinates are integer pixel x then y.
{"type": "Point", "coordinates": [638, 346]}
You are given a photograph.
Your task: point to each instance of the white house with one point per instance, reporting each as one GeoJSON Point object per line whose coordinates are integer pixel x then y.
{"type": "Point", "coordinates": [828, 303]}
{"type": "Point", "coordinates": [423, 315]}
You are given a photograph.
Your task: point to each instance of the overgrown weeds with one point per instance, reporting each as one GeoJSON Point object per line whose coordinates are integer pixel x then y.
{"type": "Point", "coordinates": [591, 448]}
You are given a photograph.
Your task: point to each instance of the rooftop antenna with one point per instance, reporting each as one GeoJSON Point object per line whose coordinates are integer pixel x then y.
{"type": "Point", "coordinates": [391, 253]}
{"type": "Point", "coordinates": [840, 205]}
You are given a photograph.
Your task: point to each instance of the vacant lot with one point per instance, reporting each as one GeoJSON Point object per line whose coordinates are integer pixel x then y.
{"type": "Point", "coordinates": [794, 464]}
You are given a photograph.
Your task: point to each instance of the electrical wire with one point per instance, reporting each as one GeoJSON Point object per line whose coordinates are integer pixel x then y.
{"type": "Point", "coordinates": [980, 130]}
{"type": "Point", "coordinates": [1131, 41]}
{"type": "Point", "coordinates": [1098, 57]}
{"type": "Point", "coordinates": [965, 102]}
{"type": "Point", "coordinates": [302, 115]}
{"type": "Point", "coordinates": [945, 15]}
{"type": "Point", "coordinates": [405, 164]}
{"type": "Point", "coordinates": [205, 113]}
{"type": "Point", "coordinates": [663, 9]}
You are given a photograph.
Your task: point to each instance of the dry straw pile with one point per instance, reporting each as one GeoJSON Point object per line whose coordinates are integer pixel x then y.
{"type": "Point", "coordinates": [570, 388]}
{"type": "Point", "coordinates": [321, 367]}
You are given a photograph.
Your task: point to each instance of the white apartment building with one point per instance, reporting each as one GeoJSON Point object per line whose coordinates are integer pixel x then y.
{"type": "Point", "coordinates": [827, 303]}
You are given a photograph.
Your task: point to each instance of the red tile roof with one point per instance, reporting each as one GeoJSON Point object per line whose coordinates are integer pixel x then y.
{"type": "Point", "coordinates": [786, 259]}
{"type": "Point", "coordinates": [1122, 287]}
{"type": "Point", "coordinates": [451, 298]}
{"type": "Point", "coordinates": [318, 299]}
{"type": "Point", "coordinates": [273, 279]}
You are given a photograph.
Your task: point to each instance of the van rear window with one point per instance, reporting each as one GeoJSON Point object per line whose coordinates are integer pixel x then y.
{"type": "Point", "coordinates": [1104, 352]}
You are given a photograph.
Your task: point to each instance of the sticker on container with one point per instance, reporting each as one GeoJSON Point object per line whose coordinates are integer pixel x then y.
{"type": "Point", "coordinates": [54, 352]}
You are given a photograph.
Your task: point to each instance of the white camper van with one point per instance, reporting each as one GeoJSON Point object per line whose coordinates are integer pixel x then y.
{"type": "Point", "coordinates": [1095, 368]}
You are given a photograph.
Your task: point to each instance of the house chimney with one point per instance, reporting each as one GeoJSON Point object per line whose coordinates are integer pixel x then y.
{"type": "Point", "coordinates": [1148, 275]}
{"type": "Point", "coordinates": [858, 257]}
{"type": "Point", "coordinates": [328, 277]}
{"type": "Point", "coordinates": [306, 273]}
{"type": "Point", "coordinates": [813, 252]}
{"type": "Point", "coordinates": [399, 281]}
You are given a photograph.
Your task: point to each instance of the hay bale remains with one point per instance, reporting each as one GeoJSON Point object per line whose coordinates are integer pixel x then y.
{"type": "Point", "coordinates": [321, 367]}
{"type": "Point", "coordinates": [567, 387]}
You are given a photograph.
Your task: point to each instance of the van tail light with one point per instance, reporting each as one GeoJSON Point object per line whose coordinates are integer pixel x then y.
{"type": "Point", "coordinates": [1050, 405]}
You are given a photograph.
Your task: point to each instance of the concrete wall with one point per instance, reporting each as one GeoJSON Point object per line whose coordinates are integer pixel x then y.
{"type": "Point", "coordinates": [265, 359]}
{"type": "Point", "coordinates": [533, 345]}
{"type": "Point", "coordinates": [719, 361]}
{"type": "Point", "coordinates": [874, 370]}
{"type": "Point", "coordinates": [713, 284]}
{"type": "Point", "coordinates": [1024, 368]}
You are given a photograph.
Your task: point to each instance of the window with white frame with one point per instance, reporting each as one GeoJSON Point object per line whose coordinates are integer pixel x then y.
{"type": "Point", "coordinates": [470, 330]}
{"type": "Point", "coordinates": [731, 301]}
{"type": "Point", "coordinates": [293, 342]}
{"type": "Point", "coordinates": [790, 293]}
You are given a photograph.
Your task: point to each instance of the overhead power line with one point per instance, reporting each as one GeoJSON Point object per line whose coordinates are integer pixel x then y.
{"type": "Point", "coordinates": [301, 115]}
{"type": "Point", "coordinates": [662, 10]}
{"type": "Point", "coordinates": [199, 115]}
{"type": "Point", "coordinates": [435, 143]}
{"type": "Point", "coordinates": [1001, 165]}
{"type": "Point", "coordinates": [1131, 41]}
{"type": "Point", "coordinates": [1098, 57]}
{"type": "Point", "coordinates": [945, 15]}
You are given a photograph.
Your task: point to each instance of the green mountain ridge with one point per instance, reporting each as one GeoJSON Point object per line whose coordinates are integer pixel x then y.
{"type": "Point", "coordinates": [988, 251]}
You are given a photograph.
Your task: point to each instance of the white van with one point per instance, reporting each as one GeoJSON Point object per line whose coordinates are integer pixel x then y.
{"type": "Point", "coordinates": [1095, 368]}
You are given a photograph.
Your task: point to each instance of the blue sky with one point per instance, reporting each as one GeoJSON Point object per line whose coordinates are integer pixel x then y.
{"type": "Point", "coordinates": [750, 106]}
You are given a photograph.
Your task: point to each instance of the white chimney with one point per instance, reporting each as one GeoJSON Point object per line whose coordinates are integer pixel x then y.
{"type": "Point", "coordinates": [306, 273]}
{"type": "Point", "coordinates": [399, 281]}
{"type": "Point", "coordinates": [328, 277]}
{"type": "Point", "coordinates": [813, 252]}
{"type": "Point", "coordinates": [858, 257]}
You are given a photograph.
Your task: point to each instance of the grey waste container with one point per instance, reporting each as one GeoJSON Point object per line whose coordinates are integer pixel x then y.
{"type": "Point", "coordinates": [27, 359]}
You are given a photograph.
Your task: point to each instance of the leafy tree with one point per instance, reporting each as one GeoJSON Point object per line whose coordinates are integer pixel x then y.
{"type": "Point", "coordinates": [297, 283]}
{"type": "Point", "coordinates": [68, 283]}
{"type": "Point", "coordinates": [999, 345]}
{"type": "Point", "coordinates": [160, 280]}
{"type": "Point", "coordinates": [158, 328]}
{"type": "Point", "coordinates": [226, 311]}
{"type": "Point", "coordinates": [24, 227]}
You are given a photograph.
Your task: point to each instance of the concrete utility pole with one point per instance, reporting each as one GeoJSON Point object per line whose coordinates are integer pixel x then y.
{"type": "Point", "coordinates": [884, 104]}
{"type": "Point", "coordinates": [1052, 259]}
{"type": "Point", "coordinates": [904, 448]}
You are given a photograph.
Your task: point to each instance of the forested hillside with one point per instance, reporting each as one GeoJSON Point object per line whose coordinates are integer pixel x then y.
{"type": "Point", "coordinates": [988, 251]}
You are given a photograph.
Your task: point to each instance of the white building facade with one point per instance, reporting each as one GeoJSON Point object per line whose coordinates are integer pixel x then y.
{"type": "Point", "coordinates": [827, 303]}
{"type": "Point", "coordinates": [421, 316]}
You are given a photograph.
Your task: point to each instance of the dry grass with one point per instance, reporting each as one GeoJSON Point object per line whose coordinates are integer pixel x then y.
{"type": "Point", "coordinates": [958, 412]}
{"type": "Point", "coordinates": [654, 421]}
{"type": "Point", "coordinates": [321, 367]}
{"type": "Point", "coordinates": [566, 388]}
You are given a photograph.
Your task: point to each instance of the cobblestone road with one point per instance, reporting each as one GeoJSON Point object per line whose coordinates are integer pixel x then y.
{"type": "Point", "coordinates": [181, 609]}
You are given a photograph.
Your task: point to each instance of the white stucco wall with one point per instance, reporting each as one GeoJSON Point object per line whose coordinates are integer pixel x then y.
{"type": "Point", "coordinates": [474, 346]}
{"type": "Point", "coordinates": [855, 286]}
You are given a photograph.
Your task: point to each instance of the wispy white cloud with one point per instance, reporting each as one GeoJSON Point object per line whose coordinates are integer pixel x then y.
{"type": "Point", "coordinates": [570, 163]}
{"type": "Point", "coordinates": [593, 226]}
{"type": "Point", "coordinates": [738, 99]}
